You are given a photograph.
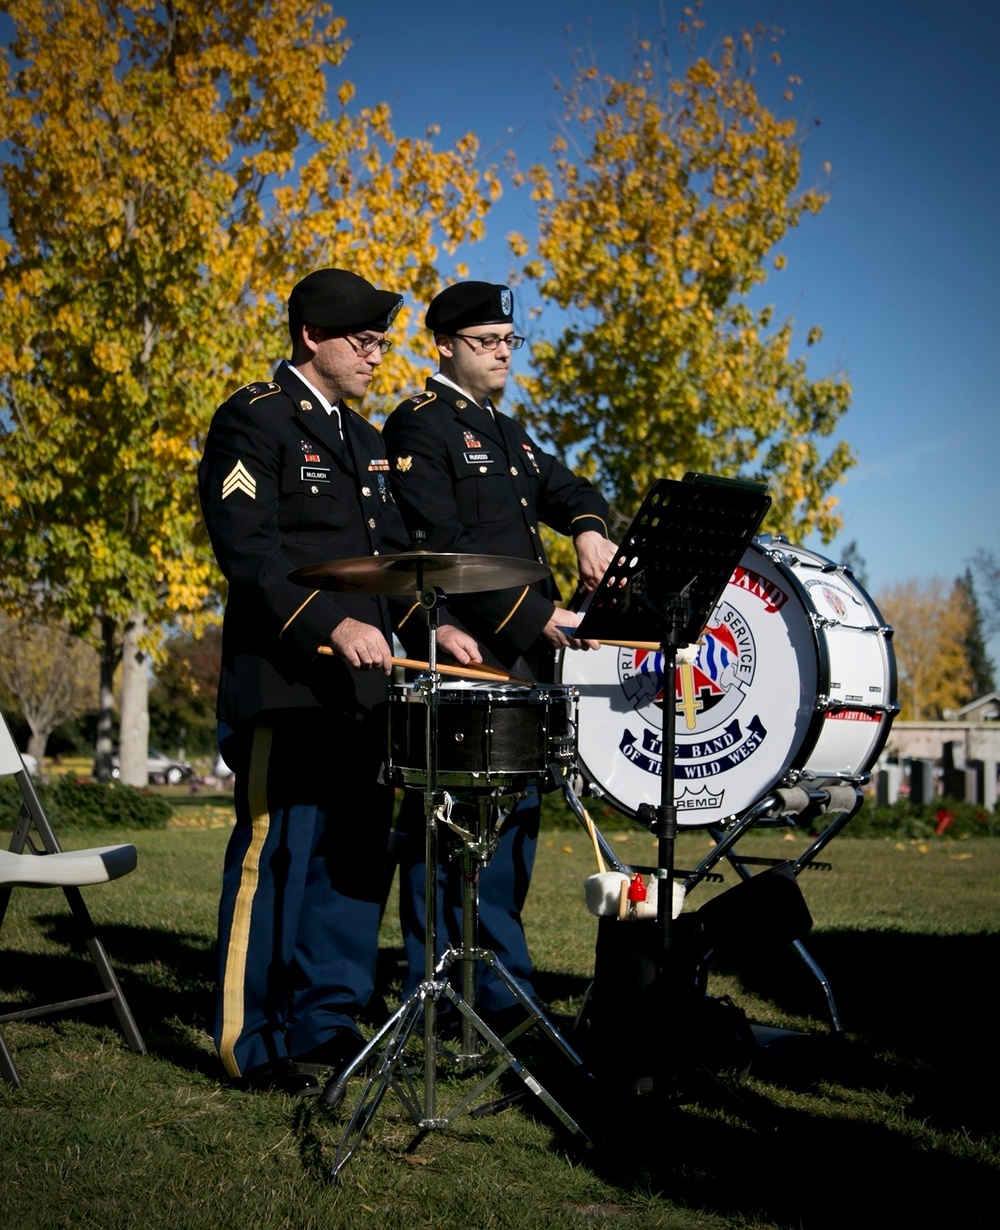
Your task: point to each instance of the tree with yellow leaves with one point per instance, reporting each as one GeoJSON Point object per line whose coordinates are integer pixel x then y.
{"type": "Point", "coordinates": [932, 621]}
{"type": "Point", "coordinates": [667, 198]}
{"type": "Point", "coordinates": [170, 170]}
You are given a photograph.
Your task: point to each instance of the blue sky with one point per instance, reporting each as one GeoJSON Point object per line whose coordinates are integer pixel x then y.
{"type": "Point", "coordinates": [902, 268]}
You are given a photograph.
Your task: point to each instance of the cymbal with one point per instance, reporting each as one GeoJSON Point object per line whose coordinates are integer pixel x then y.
{"type": "Point", "coordinates": [451, 571]}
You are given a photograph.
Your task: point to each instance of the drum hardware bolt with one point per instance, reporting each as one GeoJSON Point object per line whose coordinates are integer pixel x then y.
{"type": "Point", "coordinates": [883, 630]}
{"type": "Point", "coordinates": [459, 737]}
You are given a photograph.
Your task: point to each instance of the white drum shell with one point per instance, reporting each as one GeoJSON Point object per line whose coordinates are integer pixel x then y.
{"type": "Point", "coordinates": [795, 677]}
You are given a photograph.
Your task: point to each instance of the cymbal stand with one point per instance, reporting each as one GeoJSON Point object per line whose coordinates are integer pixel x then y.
{"type": "Point", "coordinates": [386, 1050]}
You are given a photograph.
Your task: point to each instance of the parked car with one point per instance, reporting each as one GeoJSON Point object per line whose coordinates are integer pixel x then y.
{"type": "Point", "coordinates": [160, 768]}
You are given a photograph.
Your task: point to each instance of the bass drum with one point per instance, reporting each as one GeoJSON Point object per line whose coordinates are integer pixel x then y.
{"type": "Point", "coordinates": [795, 678]}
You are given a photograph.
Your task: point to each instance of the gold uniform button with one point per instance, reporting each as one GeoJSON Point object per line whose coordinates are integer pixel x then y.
{"type": "Point", "coordinates": [314, 490]}
{"type": "Point", "coordinates": [371, 523]}
{"type": "Point", "coordinates": [366, 490]}
{"type": "Point", "coordinates": [513, 470]}
{"type": "Point", "coordinates": [524, 501]}
{"type": "Point", "coordinates": [374, 553]}
{"type": "Point", "coordinates": [532, 528]}
{"type": "Point", "coordinates": [482, 469]}
{"type": "Point", "coordinates": [305, 404]}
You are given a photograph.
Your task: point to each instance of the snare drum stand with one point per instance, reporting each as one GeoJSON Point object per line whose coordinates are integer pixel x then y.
{"type": "Point", "coordinates": [391, 1067]}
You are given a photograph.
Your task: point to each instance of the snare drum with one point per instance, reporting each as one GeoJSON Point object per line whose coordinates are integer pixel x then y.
{"type": "Point", "coordinates": [794, 679]}
{"type": "Point", "coordinates": [490, 735]}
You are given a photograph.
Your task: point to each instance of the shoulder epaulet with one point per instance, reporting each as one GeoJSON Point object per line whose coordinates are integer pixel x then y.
{"type": "Point", "coordinates": [257, 390]}
{"type": "Point", "coordinates": [420, 399]}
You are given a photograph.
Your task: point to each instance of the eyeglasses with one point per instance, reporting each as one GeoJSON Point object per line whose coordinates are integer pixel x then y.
{"type": "Point", "coordinates": [491, 341]}
{"type": "Point", "coordinates": [368, 345]}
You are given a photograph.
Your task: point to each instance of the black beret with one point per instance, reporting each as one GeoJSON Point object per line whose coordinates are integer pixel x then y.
{"type": "Point", "coordinates": [336, 299]}
{"type": "Point", "coordinates": [470, 303]}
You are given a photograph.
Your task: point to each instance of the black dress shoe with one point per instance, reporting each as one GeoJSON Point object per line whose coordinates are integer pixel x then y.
{"type": "Point", "coordinates": [282, 1076]}
{"type": "Point", "coordinates": [334, 1054]}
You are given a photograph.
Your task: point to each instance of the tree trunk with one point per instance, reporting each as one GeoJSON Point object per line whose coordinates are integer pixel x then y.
{"type": "Point", "coordinates": [106, 701]}
{"type": "Point", "coordinates": [37, 743]}
{"type": "Point", "coordinates": [133, 742]}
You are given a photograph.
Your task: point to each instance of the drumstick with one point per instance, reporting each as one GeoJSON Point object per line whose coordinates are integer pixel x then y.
{"type": "Point", "coordinates": [495, 674]}
{"type": "Point", "coordinates": [591, 832]}
{"type": "Point", "coordinates": [478, 672]}
{"type": "Point", "coordinates": [651, 646]}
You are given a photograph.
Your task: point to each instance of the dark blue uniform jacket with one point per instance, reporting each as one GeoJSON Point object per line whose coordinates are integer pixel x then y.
{"type": "Point", "coordinates": [280, 489]}
{"type": "Point", "coordinates": [476, 482]}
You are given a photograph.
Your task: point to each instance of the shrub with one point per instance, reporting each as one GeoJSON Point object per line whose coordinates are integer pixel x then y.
{"type": "Point", "coordinates": [919, 821]}
{"type": "Point", "coordinates": [74, 802]}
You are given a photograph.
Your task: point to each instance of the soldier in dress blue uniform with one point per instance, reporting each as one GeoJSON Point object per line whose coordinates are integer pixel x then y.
{"type": "Point", "coordinates": [474, 480]}
{"type": "Point", "coordinates": [292, 476]}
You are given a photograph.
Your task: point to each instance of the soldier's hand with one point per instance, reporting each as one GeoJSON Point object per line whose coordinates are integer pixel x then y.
{"type": "Point", "coordinates": [361, 646]}
{"type": "Point", "coordinates": [555, 636]}
{"type": "Point", "coordinates": [459, 644]}
{"type": "Point", "coordinates": [593, 553]}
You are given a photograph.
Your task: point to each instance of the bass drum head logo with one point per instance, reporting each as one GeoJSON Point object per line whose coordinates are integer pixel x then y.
{"type": "Point", "coordinates": [707, 693]}
{"type": "Point", "coordinates": [743, 707]}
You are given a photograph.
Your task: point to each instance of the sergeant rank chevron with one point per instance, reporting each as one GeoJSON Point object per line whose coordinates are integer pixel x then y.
{"type": "Point", "coordinates": [239, 478]}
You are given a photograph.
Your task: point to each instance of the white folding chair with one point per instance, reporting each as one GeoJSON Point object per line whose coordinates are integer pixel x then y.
{"type": "Point", "coordinates": [53, 867]}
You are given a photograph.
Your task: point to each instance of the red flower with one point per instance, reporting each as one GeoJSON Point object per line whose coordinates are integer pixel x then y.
{"type": "Point", "coordinates": [944, 820]}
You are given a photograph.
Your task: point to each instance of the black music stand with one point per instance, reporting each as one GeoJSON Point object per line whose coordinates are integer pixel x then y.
{"type": "Point", "coordinates": [669, 573]}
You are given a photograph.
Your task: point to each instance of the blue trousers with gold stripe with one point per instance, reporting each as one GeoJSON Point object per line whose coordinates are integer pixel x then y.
{"type": "Point", "coordinates": [302, 884]}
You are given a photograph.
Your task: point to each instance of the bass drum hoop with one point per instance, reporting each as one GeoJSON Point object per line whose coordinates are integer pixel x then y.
{"type": "Point", "coordinates": [810, 766]}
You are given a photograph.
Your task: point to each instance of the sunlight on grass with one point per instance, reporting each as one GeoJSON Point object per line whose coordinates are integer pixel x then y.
{"type": "Point", "coordinates": [905, 932]}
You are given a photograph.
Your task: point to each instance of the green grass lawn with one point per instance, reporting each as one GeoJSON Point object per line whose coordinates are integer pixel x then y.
{"type": "Point", "coordinates": [894, 1123]}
